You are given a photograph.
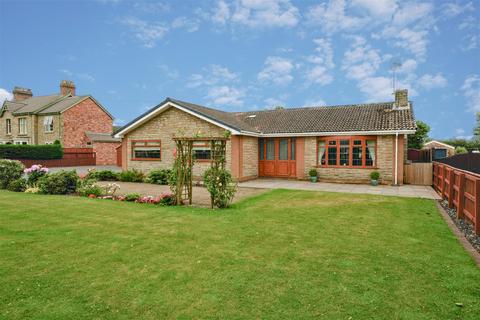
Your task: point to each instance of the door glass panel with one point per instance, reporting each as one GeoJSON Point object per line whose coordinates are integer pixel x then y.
{"type": "Point", "coordinates": [283, 150]}
{"type": "Point", "coordinates": [332, 156]}
{"type": "Point", "coordinates": [270, 149]}
{"type": "Point", "coordinates": [344, 152]}
{"type": "Point", "coordinates": [292, 148]}
{"type": "Point", "coordinates": [261, 150]}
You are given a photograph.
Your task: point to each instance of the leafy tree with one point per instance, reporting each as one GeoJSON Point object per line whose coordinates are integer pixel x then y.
{"type": "Point", "coordinates": [416, 141]}
{"type": "Point", "coordinates": [460, 149]}
{"type": "Point", "coordinates": [476, 130]}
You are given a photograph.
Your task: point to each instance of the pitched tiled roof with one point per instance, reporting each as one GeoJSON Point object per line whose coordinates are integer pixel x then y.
{"type": "Point", "coordinates": [101, 137]}
{"type": "Point", "coordinates": [346, 118]}
{"type": "Point", "coordinates": [46, 104]}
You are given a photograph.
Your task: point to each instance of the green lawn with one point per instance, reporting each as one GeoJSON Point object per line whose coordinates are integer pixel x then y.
{"type": "Point", "coordinates": [281, 255]}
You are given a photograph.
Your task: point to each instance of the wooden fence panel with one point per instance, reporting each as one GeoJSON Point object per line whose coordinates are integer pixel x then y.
{"type": "Point", "coordinates": [461, 189]}
{"type": "Point", "coordinates": [418, 174]}
{"type": "Point", "coordinates": [72, 157]}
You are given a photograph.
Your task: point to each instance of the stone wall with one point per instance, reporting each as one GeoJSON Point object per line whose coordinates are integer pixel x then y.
{"type": "Point", "coordinates": [250, 157]}
{"type": "Point", "coordinates": [85, 116]}
{"type": "Point", "coordinates": [43, 137]}
{"type": "Point", "coordinates": [15, 135]}
{"type": "Point", "coordinates": [385, 153]}
{"type": "Point", "coordinates": [164, 127]}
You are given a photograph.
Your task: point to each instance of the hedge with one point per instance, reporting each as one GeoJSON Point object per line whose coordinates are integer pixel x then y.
{"type": "Point", "coordinates": [30, 151]}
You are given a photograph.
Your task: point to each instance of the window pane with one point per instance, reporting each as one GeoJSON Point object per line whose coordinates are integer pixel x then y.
{"type": "Point", "coordinates": [146, 153]}
{"type": "Point", "coordinates": [261, 150]}
{"type": "Point", "coordinates": [270, 149]}
{"type": "Point", "coordinates": [344, 156]}
{"type": "Point", "coordinates": [332, 156]}
{"type": "Point", "coordinates": [283, 149]}
{"type": "Point", "coordinates": [370, 153]}
{"type": "Point", "coordinates": [357, 156]}
{"type": "Point", "coordinates": [202, 154]}
{"type": "Point", "coordinates": [332, 142]}
{"type": "Point", "coordinates": [357, 142]}
{"type": "Point", "coordinates": [344, 142]}
{"type": "Point", "coordinates": [321, 153]}
{"type": "Point", "coordinates": [292, 148]}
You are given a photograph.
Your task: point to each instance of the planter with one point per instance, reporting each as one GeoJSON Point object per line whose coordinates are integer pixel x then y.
{"type": "Point", "coordinates": [374, 182]}
{"type": "Point", "coordinates": [313, 178]}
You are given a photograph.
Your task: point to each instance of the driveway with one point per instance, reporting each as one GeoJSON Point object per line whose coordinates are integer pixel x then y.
{"type": "Point", "coordinates": [82, 170]}
{"type": "Point", "coordinates": [412, 191]}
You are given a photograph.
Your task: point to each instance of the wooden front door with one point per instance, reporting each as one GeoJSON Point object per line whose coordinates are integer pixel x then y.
{"type": "Point", "coordinates": [277, 157]}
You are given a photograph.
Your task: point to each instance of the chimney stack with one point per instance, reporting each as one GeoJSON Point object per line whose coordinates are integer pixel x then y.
{"type": "Point", "coordinates": [67, 87]}
{"type": "Point", "coordinates": [401, 99]}
{"type": "Point", "coordinates": [20, 94]}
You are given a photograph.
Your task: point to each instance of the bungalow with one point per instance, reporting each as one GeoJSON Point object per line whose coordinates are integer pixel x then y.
{"type": "Point", "coordinates": [343, 143]}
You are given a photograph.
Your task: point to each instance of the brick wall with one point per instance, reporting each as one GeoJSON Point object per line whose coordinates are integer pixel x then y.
{"type": "Point", "coordinates": [250, 157]}
{"type": "Point", "coordinates": [85, 116]}
{"type": "Point", "coordinates": [106, 153]}
{"type": "Point", "coordinates": [385, 154]}
{"type": "Point", "coordinates": [164, 127]}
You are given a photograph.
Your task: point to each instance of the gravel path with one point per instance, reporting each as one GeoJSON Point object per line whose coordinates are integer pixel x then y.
{"type": "Point", "coordinates": [201, 197]}
{"type": "Point", "coordinates": [465, 227]}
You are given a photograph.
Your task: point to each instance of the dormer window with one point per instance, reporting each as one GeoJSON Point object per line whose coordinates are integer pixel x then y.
{"type": "Point", "coordinates": [48, 124]}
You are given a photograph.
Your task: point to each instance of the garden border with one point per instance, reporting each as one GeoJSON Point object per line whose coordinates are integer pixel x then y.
{"type": "Point", "coordinates": [458, 234]}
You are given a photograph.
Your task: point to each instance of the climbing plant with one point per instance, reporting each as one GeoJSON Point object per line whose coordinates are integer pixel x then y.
{"type": "Point", "coordinates": [180, 179]}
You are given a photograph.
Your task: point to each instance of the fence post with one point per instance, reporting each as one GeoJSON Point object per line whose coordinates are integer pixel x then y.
{"type": "Point", "coordinates": [451, 179]}
{"type": "Point", "coordinates": [461, 195]}
{"type": "Point", "coordinates": [476, 219]}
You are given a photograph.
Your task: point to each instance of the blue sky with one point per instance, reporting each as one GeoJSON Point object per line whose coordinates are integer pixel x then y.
{"type": "Point", "coordinates": [249, 55]}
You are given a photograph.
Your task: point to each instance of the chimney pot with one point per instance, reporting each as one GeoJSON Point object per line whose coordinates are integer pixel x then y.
{"type": "Point", "coordinates": [67, 87]}
{"type": "Point", "coordinates": [20, 94]}
{"type": "Point", "coordinates": [401, 98]}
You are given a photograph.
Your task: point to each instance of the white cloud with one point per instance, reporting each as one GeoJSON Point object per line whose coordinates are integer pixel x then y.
{"type": "Point", "coordinates": [170, 73]}
{"type": "Point", "coordinates": [453, 9]}
{"type": "Point", "coordinates": [331, 17]}
{"type": "Point", "coordinates": [81, 75]}
{"type": "Point", "coordinates": [315, 103]}
{"type": "Point", "coordinates": [361, 60]}
{"type": "Point", "coordinates": [277, 70]}
{"type": "Point", "coordinates": [412, 12]}
{"type": "Point", "coordinates": [471, 91]}
{"type": "Point", "coordinates": [147, 33]}
{"type": "Point", "coordinates": [429, 81]}
{"type": "Point", "coordinates": [407, 67]}
{"type": "Point", "coordinates": [467, 23]}
{"type": "Point", "coordinates": [322, 61]}
{"type": "Point", "coordinates": [5, 95]}
{"type": "Point", "coordinates": [471, 42]}
{"type": "Point", "coordinates": [383, 8]}
{"type": "Point", "coordinates": [222, 73]}
{"type": "Point", "coordinates": [256, 13]}
{"type": "Point", "coordinates": [225, 96]}
{"type": "Point", "coordinates": [273, 102]}
{"type": "Point", "coordinates": [190, 25]}
{"type": "Point", "coordinates": [212, 75]}
{"type": "Point", "coordinates": [221, 13]}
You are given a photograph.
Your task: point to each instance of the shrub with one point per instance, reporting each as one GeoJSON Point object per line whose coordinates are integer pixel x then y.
{"type": "Point", "coordinates": [159, 176]}
{"type": "Point", "coordinates": [32, 190]}
{"type": "Point", "coordinates": [18, 185]}
{"type": "Point", "coordinates": [34, 173]}
{"type": "Point", "coordinates": [313, 172]}
{"type": "Point", "coordinates": [374, 175]}
{"type": "Point", "coordinates": [103, 175]}
{"type": "Point", "coordinates": [132, 197]}
{"type": "Point", "coordinates": [62, 182]}
{"type": "Point", "coordinates": [110, 189]}
{"type": "Point", "coordinates": [131, 176]}
{"type": "Point", "coordinates": [220, 185]}
{"type": "Point", "coordinates": [88, 187]}
{"type": "Point", "coordinates": [10, 170]}
{"type": "Point", "coordinates": [31, 151]}
{"type": "Point", "coordinates": [460, 149]}
{"type": "Point", "coordinates": [167, 199]}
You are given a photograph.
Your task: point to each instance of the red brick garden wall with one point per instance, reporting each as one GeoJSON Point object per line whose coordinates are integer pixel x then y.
{"type": "Point", "coordinates": [106, 152]}
{"type": "Point", "coordinates": [85, 116]}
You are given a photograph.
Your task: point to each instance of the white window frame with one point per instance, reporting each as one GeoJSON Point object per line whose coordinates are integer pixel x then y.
{"type": "Point", "coordinates": [8, 126]}
{"type": "Point", "coordinates": [48, 124]}
{"type": "Point", "coordinates": [22, 124]}
{"type": "Point", "coordinates": [20, 142]}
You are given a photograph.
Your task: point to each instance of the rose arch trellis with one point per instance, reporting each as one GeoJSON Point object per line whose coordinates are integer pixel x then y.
{"type": "Point", "coordinates": [184, 161]}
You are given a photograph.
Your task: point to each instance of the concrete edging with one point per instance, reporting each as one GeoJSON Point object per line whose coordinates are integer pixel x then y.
{"type": "Point", "coordinates": [466, 245]}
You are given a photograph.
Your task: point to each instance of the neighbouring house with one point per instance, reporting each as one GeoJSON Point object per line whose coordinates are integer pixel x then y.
{"type": "Point", "coordinates": [439, 149]}
{"type": "Point", "coordinates": [75, 121]}
{"type": "Point", "coordinates": [344, 143]}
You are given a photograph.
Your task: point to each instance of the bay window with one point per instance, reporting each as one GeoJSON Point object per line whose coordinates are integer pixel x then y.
{"type": "Point", "coordinates": [146, 150]}
{"type": "Point", "coordinates": [349, 152]}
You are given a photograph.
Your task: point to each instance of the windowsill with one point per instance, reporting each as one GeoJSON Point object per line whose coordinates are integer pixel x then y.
{"type": "Point", "coordinates": [346, 167]}
{"type": "Point", "coordinates": [146, 159]}
{"type": "Point", "coordinates": [203, 160]}
{"type": "Point", "coordinates": [23, 134]}
{"type": "Point", "coordinates": [47, 131]}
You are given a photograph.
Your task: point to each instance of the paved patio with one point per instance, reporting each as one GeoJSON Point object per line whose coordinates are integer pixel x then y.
{"type": "Point", "coordinates": [400, 191]}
